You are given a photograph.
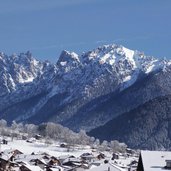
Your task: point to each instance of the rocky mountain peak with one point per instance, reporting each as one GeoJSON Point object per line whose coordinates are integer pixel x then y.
{"type": "Point", "coordinates": [67, 57]}
{"type": "Point", "coordinates": [1, 55]}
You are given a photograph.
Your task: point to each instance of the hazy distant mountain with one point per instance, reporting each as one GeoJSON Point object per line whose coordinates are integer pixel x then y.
{"type": "Point", "coordinates": [80, 91]}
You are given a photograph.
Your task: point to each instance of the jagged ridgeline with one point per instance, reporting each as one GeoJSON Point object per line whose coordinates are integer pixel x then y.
{"type": "Point", "coordinates": [80, 91]}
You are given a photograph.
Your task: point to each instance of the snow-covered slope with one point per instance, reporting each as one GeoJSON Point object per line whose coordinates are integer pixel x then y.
{"type": "Point", "coordinates": [18, 69]}
{"type": "Point", "coordinates": [40, 91]}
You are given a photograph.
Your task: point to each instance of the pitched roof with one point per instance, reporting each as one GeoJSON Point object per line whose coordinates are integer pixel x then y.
{"type": "Point", "coordinates": [31, 167]}
{"type": "Point", "coordinates": [106, 167]}
{"type": "Point", "coordinates": [5, 156]}
{"type": "Point", "coordinates": [155, 160]}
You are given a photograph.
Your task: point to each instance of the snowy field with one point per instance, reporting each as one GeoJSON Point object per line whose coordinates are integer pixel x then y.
{"type": "Point", "coordinates": [38, 147]}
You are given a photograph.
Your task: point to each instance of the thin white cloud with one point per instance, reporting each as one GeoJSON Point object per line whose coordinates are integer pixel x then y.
{"type": "Point", "coordinates": [109, 41]}
{"type": "Point", "coordinates": [127, 39]}
{"type": "Point", "coordinates": [98, 42]}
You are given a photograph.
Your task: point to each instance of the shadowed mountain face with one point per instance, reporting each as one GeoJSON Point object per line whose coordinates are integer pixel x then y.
{"type": "Point", "coordinates": [80, 91]}
{"type": "Point", "coordinates": [148, 126]}
{"type": "Point", "coordinates": [101, 111]}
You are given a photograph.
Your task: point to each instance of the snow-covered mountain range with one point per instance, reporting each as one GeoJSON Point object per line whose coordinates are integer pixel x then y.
{"type": "Point", "coordinates": [79, 91]}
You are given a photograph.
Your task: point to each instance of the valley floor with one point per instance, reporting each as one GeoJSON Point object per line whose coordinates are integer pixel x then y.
{"type": "Point", "coordinates": [38, 154]}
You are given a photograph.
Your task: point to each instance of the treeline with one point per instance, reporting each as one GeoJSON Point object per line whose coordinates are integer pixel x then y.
{"type": "Point", "coordinates": [52, 131]}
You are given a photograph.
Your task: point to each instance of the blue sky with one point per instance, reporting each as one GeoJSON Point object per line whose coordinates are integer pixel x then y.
{"type": "Point", "coordinates": [46, 27]}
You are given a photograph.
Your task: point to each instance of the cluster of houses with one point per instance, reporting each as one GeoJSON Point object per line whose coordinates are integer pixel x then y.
{"type": "Point", "coordinates": [15, 160]}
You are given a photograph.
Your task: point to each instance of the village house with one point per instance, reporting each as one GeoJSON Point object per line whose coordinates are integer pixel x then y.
{"type": "Point", "coordinates": [28, 167]}
{"type": "Point", "coordinates": [100, 156]}
{"type": "Point", "coordinates": [56, 168]}
{"type": "Point", "coordinates": [107, 167]}
{"type": "Point", "coordinates": [64, 157]}
{"type": "Point", "coordinates": [6, 161]}
{"type": "Point", "coordinates": [4, 164]}
{"type": "Point", "coordinates": [133, 166]}
{"type": "Point", "coordinates": [38, 162]}
{"type": "Point", "coordinates": [54, 161]}
{"type": "Point", "coordinates": [4, 141]}
{"type": "Point", "coordinates": [115, 156]}
{"type": "Point", "coordinates": [154, 161]}
{"type": "Point", "coordinates": [87, 157]}
{"type": "Point", "coordinates": [38, 137]}
{"type": "Point", "coordinates": [63, 145]}
{"type": "Point", "coordinates": [72, 162]}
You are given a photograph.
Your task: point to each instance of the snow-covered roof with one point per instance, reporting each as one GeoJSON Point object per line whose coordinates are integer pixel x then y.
{"type": "Point", "coordinates": [87, 155]}
{"type": "Point", "coordinates": [28, 158]}
{"type": "Point", "coordinates": [31, 167]}
{"type": "Point", "coordinates": [63, 157]}
{"type": "Point", "coordinates": [107, 166]}
{"type": "Point", "coordinates": [6, 156]}
{"type": "Point", "coordinates": [155, 160]}
{"type": "Point", "coordinates": [56, 169]}
{"type": "Point", "coordinates": [72, 160]}
{"type": "Point", "coordinates": [43, 161]}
